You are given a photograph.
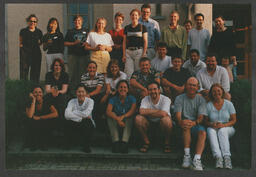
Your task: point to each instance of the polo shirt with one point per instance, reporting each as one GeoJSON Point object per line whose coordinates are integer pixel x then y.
{"type": "Point", "coordinates": [118, 107]}
{"type": "Point", "coordinates": [194, 69]}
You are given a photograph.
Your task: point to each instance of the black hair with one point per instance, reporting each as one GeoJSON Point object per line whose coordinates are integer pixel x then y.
{"type": "Point", "coordinates": [50, 21]}
{"type": "Point", "coordinates": [198, 15]}
{"type": "Point", "coordinates": [145, 6]}
{"type": "Point", "coordinates": [121, 81]}
{"type": "Point", "coordinates": [81, 85]}
{"type": "Point", "coordinates": [30, 16]}
{"type": "Point", "coordinates": [154, 82]}
{"type": "Point", "coordinates": [142, 59]}
{"type": "Point", "coordinates": [194, 51]}
{"type": "Point", "coordinates": [162, 45]}
{"type": "Point", "coordinates": [188, 21]}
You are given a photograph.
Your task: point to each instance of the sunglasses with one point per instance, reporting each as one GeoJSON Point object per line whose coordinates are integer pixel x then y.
{"type": "Point", "coordinates": [32, 21]}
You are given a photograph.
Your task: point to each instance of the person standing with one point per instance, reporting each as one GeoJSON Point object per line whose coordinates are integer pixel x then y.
{"type": "Point", "coordinates": [30, 39]}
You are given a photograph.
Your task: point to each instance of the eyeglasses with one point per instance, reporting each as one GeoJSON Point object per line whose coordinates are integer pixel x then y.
{"type": "Point", "coordinates": [32, 21]}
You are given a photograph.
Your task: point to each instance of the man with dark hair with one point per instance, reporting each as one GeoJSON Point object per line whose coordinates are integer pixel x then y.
{"type": "Point", "coordinates": [188, 25]}
{"type": "Point", "coordinates": [190, 109]}
{"type": "Point", "coordinates": [194, 64]}
{"type": "Point", "coordinates": [154, 108]}
{"type": "Point", "coordinates": [152, 29]}
{"type": "Point", "coordinates": [175, 36]}
{"type": "Point", "coordinates": [199, 37]}
{"type": "Point", "coordinates": [174, 78]}
{"type": "Point", "coordinates": [161, 62]}
{"type": "Point", "coordinates": [141, 78]}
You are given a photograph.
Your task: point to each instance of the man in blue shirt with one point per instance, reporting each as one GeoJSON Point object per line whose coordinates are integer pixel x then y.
{"type": "Point", "coordinates": [152, 29]}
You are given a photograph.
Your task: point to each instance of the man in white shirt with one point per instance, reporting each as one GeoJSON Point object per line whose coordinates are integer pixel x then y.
{"type": "Point", "coordinates": [198, 37]}
{"type": "Point", "coordinates": [194, 64]}
{"type": "Point", "coordinates": [79, 114]}
{"type": "Point", "coordinates": [154, 108]}
{"type": "Point", "coordinates": [213, 74]}
{"type": "Point", "coordinates": [161, 62]}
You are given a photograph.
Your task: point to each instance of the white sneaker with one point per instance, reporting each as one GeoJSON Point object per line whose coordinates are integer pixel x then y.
{"type": "Point", "coordinates": [219, 162]}
{"type": "Point", "coordinates": [186, 161]}
{"type": "Point", "coordinates": [197, 165]}
{"type": "Point", "coordinates": [227, 162]}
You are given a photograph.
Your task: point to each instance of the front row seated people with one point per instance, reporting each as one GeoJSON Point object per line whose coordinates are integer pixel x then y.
{"type": "Point", "coordinates": [120, 111]}
{"type": "Point", "coordinates": [41, 116]}
{"type": "Point", "coordinates": [221, 116]}
{"type": "Point", "coordinates": [154, 108]}
{"type": "Point", "coordinates": [79, 115]}
{"type": "Point", "coordinates": [190, 109]}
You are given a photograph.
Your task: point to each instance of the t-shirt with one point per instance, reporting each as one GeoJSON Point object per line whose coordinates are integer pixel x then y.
{"type": "Point", "coordinates": [73, 35]}
{"type": "Point", "coordinates": [113, 83]}
{"type": "Point", "coordinates": [31, 40]}
{"type": "Point", "coordinates": [118, 107]}
{"type": "Point", "coordinates": [178, 78]}
{"type": "Point", "coordinates": [144, 80]}
{"type": "Point", "coordinates": [222, 115]}
{"type": "Point", "coordinates": [161, 64]}
{"type": "Point", "coordinates": [117, 36]}
{"type": "Point", "coordinates": [91, 85]}
{"type": "Point", "coordinates": [50, 79]}
{"type": "Point", "coordinates": [57, 45]}
{"type": "Point", "coordinates": [134, 36]}
{"type": "Point", "coordinates": [95, 39]}
{"type": "Point", "coordinates": [163, 104]}
{"type": "Point", "coordinates": [190, 108]}
{"type": "Point", "coordinates": [45, 108]}
{"type": "Point", "coordinates": [194, 69]}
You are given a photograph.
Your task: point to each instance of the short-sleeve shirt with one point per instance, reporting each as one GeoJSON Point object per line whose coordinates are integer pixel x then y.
{"type": "Point", "coordinates": [117, 36]}
{"type": "Point", "coordinates": [200, 40]}
{"type": "Point", "coordinates": [222, 115]}
{"type": "Point", "coordinates": [73, 35]}
{"type": "Point", "coordinates": [161, 64]}
{"type": "Point", "coordinates": [190, 108]}
{"type": "Point", "coordinates": [144, 80]}
{"type": "Point", "coordinates": [177, 77]}
{"type": "Point", "coordinates": [163, 104]}
{"type": "Point", "coordinates": [118, 107]}
{"type": "Point", "coordinates": [113, 83]}
{"type": "Point", "coordinates": [31, 39]}
{"type": "Point", "coordinates": [50, 79]}
{"type": "Point", "coordinates": [45, 108]}
{"type": "Point", "coordinates": [134, 36]}
{"type": "Point", "coordinates": [194, 69]}
{"type": "Point", "coordinates": [95, 39]}
{"type": "Point", "coordinates": [57, 45]}
{"type": "Point", "coordinates": [92, 84]}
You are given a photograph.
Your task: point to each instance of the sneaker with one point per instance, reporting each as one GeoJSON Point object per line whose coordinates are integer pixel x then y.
{"type": "Point", "coordinates": [186, 161]}
{"type": "Point", "coordinates": [219, 162]}
{"type": "Point", "coordinates": [227, 162]}
{"type": "Point", "coordinates": [197, 165]}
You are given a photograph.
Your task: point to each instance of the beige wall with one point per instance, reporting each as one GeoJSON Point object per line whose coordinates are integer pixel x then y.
{"type": "Point", "coordinates": [103, 10]}
{"type": "Point", "coordinates": [16, 14]}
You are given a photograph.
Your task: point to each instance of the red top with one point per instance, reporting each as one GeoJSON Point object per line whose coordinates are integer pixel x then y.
{"type": "Point", "coordinates": [117, 36]}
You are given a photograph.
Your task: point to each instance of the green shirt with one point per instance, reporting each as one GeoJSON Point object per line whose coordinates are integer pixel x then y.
{"type": "Point", "coordinates": [175, 38]}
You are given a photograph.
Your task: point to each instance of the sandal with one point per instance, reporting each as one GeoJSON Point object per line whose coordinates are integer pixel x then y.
{"type": "Point", "coordinates": [144, 148]}
{"type": "Point", "coordinates": [167, 148]}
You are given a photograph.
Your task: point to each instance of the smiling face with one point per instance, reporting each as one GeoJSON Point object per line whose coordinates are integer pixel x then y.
{"type": "Point", "coordinates": [219, 23]}
{"type": "Point", "coordinates": [53, 25]}
{"type": "Point", "coordinates": [38, 94]}
{"type": "Point", "coordinates": [188, 26]}
{"type": "Point", "coordinates": [177, 62]}
{"type": "Point", "coordinates": [194, 58]}
{"type": "Point", "coordinates": [211, 63]}
{"type": "Point", "coordinates": [145, 13]}
{"type": "Point", "coordinates": [153, 91]}
{"type": "Point", "coordinates": [135, 17]}
{"type": "Point", "coordinates": [114, 69]}
{"type": "Point", "coordinates": [217, 93]}
{"type": "Point", "coordinates": [78, 22]}
{"type": "Point", "coordinates": [162, 51]}
{"type": "Point", "coordinates": [119, 21]}
{"type": "Point", "coordinates": [199, 22]}
{"type": "Point", "coordinates": [80, 94]}
{"type": "Point", "coordinates": [174, 18]}
{"type": "Point", "coordinates": [32, 22]}
{"type": "Point", "coordinates": [145, 67]}
{"type": "Point", "coordinates": [101, 24]}
{"type": "Point", "coordinates": [57, 67]}
{"type": "Point", "coordinates": [92, 68]}
{"type": "Point", "coordinates": [192, 86]}
{"type": "Point", "coordinates": [122, 89]}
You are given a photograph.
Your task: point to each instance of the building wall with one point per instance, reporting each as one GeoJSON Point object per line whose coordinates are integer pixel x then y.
{"type": "Point", "coordinates": [15, 20]}
{"type": "Point", "coordinates": [103, 10]}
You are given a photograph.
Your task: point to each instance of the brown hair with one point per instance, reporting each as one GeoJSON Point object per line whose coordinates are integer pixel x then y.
{"type": "Point", "coordinates": [61, 62]}
{"type": "Point", "coordinates": [216, 85]}
{"type": "Point", "coordinates": [135, 10]}
{"type": "Point", "coordinates": [98, 19]}
{"type": "Point", "coordinates": [112, 62]}
{"type": "Point", "coordinates": [119, 14]}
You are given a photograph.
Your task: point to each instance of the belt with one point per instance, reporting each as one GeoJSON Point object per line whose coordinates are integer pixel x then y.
{"type": "Point", "coordinates": [134, 48]}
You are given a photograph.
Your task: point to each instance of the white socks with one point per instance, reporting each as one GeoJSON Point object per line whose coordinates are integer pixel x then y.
{"type": "Point", "coordinates": [197, 156]}
{"type": "Point", "coordinates": [187, 151]}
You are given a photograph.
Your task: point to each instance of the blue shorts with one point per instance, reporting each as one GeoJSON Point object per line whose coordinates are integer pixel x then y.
{"type": "Point", "coordinates": [194, 130]}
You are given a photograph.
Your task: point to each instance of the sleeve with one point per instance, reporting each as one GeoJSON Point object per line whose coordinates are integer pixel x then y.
{"type": "Point", "coordinates": [61, 42]}
{"type": "Point", "coordinates": [107, 80]}
{"type": "Point", "coordinates": [48, 78]}
{"type": "Point", "coordinates": [231, 108]}
{"type": "Point", "coordinates": [65, 78]}
{"type": "Point", "coordinates": [86, 112]}
{"type": "Point", "coordinates": [189, 42]}
{"type": "Point", "coordinates": [134, 75]}
{"type": "Point", "coordinates": [185, 65]}
{"type": "Point", "coordinates": [40, 35]}
{"type": "Point", "coordinates": [123, 76]}
{"type": "Point", "coordinates": [68, 37]}
{"type": "Point", "coordinates": [208, 39]}
{"type": "Point", "coordinates": [198, 76]}
{"type": "Point", "coordinates": [157, 32]}
{"type": "Point", "coordinates": [125, 30]}
{"type": "Point", "coordinates": [225, 80]}
{"type": "Point", "coordinates": [178, 104]}
{"type": "Point", "coordinates": [111, 101]}
{"type": "Point", "coordinates": [44, 39]}
{"type": "Point", "coordinates": [202, 107]}
{"type": "Point", "coordinates": [166, 105]}
{"type": "Point", "coordinates": [101, 79]}
{"type": "Point", "coordinates": [111, 43]}
{"type": "Point", "coordinates": [133, 99]}
{"type": "Point", "coordinates": [144, 29]}
{"type": "Point", "coordinates": [69, 115]}
{"type": "Point", "coordinates": [157, 74]}
{"type": "Point", "coordinates": [89, 38]}
{"type": "Point", "coordinates": [145, 103]}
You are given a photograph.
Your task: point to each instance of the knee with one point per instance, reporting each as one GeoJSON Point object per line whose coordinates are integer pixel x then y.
{"type": "Point", "coordinates": [166, 122]}
{"type": "Point", "coordinates": [222, 132]}
{"type": "Point", "coordinates": [140, 121]}
{"type": "Point", "coordinates": [202, 134]}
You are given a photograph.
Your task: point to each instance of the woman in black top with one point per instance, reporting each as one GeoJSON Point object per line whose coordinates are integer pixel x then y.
{"type": "Point", "coordinates": [53, 42]}
{"type": "Point", "coordinates": [40, 117]}
{"type": "Point", "coordinates": [56, 85]}
{"type": "Point", "coordinates": [30, 39]}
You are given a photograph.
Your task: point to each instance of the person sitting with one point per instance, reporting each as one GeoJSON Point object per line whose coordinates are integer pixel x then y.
{"type": "Point", "coordinates": [141, 78]}
{"type": "Point", "coordinates": [229, 67]}
{"type": "Point", "coordinates": [114, 75]}
{"type": "Point", "coordinates": [174, 78]}
{"type": "Point", "coordinates": [154, 108]}
{"type": "Point", "coordinates": [40, 120]}
{"type": "Point", "coordinates": [79, 115]}
{"type": "Point", "coordinates": [161, 62]}
{"type": "Point", "coordinates": [120, 112]}
{"type": "Point", "coordinates": [190, 110]}
{"type": "Point", "coordinates": [213, 74]}
{"type": "Point", "coordinates": [194, 64]}
{"type": "Point", "coordinates": [221, 117]}
{"type": "Point", "coordinates": [56, 85]}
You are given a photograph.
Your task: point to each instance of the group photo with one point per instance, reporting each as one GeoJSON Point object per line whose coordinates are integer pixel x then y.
{"type": "Point", "coordinates": [128, 86]}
